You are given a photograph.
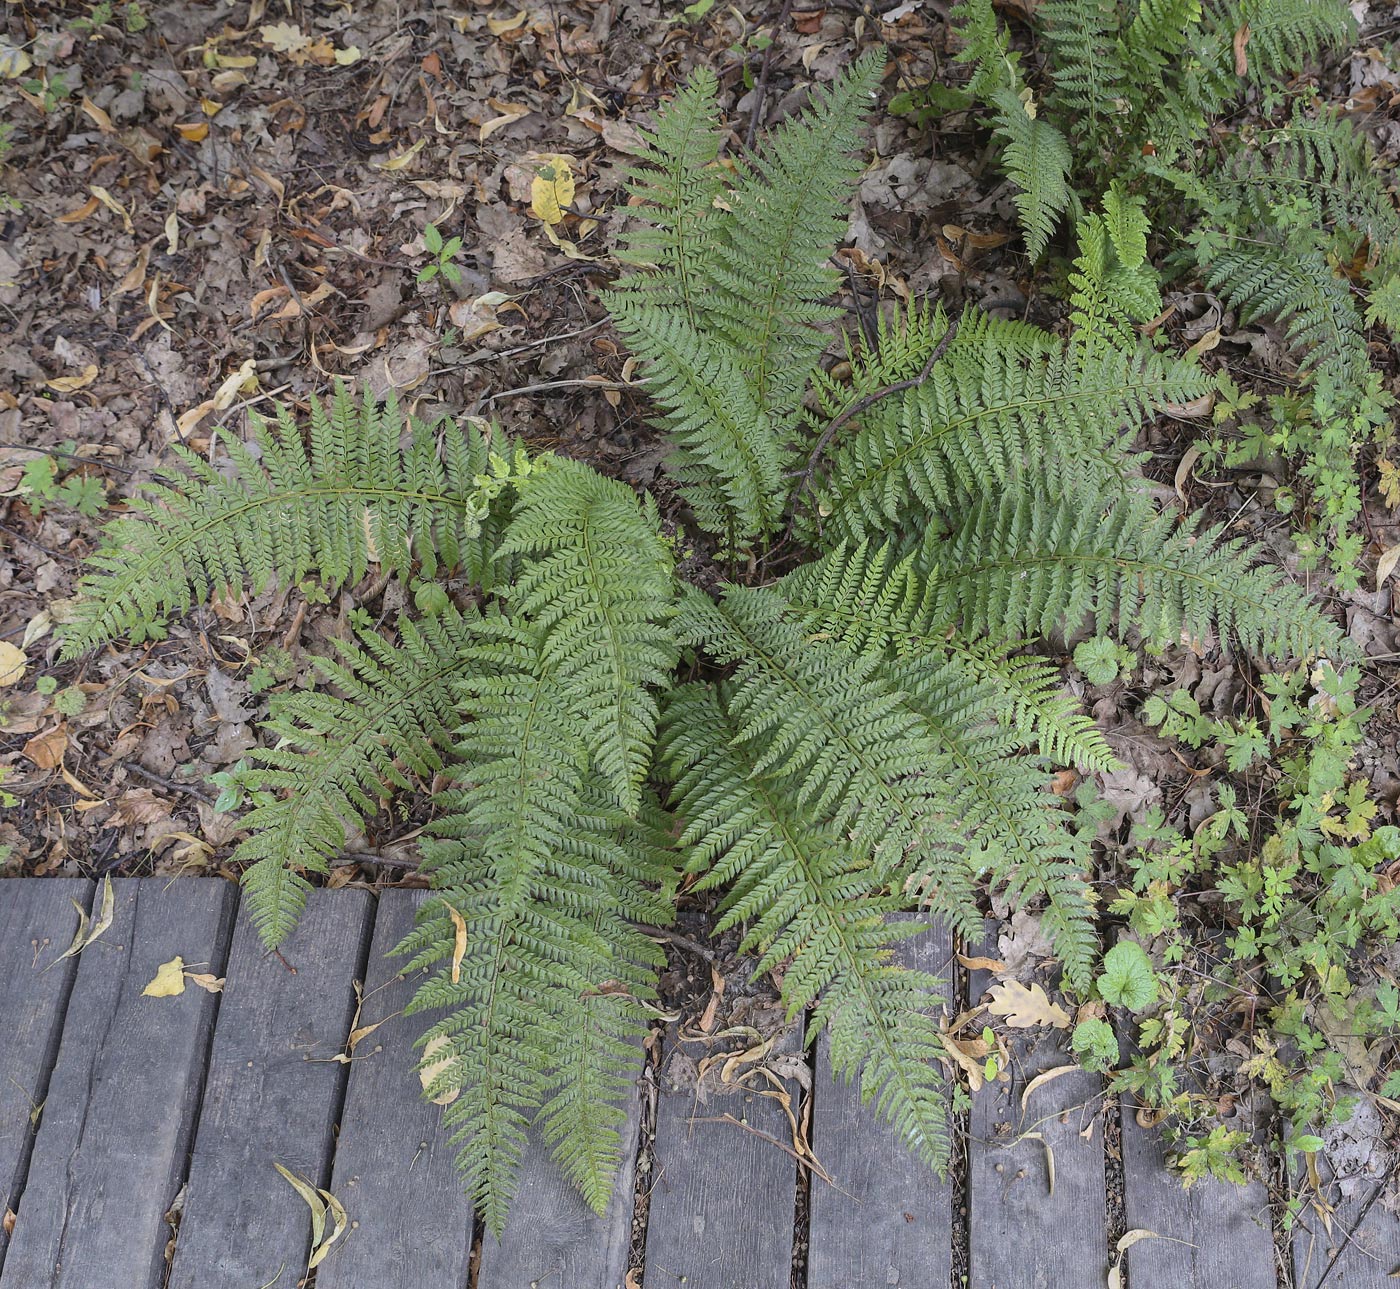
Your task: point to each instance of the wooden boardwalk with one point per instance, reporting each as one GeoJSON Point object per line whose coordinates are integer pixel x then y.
{"type": "Point", "coordinates": [138, 1138]}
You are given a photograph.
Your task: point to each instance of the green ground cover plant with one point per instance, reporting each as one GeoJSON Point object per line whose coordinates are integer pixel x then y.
{"type": "Point", "coordinates": [853, 723]}
{"type": "Point", "coordinates": [1290, 221]}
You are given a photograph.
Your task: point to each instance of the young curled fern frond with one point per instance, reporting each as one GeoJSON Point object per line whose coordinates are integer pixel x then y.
{"type": "Point", "coordinates": [340, 752]}
{"type": "Point", "coordinates": [330, 503]}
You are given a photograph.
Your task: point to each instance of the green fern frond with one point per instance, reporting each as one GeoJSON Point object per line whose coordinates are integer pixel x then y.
{"type": "Point", "coordinates": [996, 401]}
{"type": "Point", "coordinates": [545, 874]}
{"type": "Point", "coordinates": [1038, 160]}
{"type": "Point", "coordinates": [338, 754]}
{"type": "Point", "coordinates": [1290, 283]}
{"type": "Point", "coordinates": [1015, 827]}
{"type": "Point", "coordinates": [812, 902]}
{"type": "Point", "coordinates": [598, 582]}
{"type": "Point", "coordinates": [818, 721]}
{"type": "Point", "coordinates": [729, 459]}
{"type": "Point", "coordinates": [1113, 285]}
{"type": "Point", "coordinates": [1031, 563]}
{"type": "Point", "coordinates": [788, 210]}
{"type": "Point", "coordinates": [1284, 34]}
{"type": "Point", "coordinates": [675, 188]}
{"type": "Point", "coordinates": [875, 602]}
{"type": "Point", "coordinates": [353, 498]}
{"type": "Point", "coordinates": [1087, 62]}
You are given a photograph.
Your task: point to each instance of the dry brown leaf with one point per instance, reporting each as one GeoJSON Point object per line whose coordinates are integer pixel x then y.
{"type": "Point", "coordinates": [1184, 468]}
{"type": "Point", "coordinates": [1041, 1079]}
{"type": "Point", "coordinates": [87, 931]}
{"type": "Point", "coordinates": [1024, 1006]}
{"type": "Point", "coordinates": [47, 750]}
{"type": "Point", "coordinates": [89, 207]}
{"type": "Point", "coordinates": [1385, 566]}
{"type": "Point", "coordinates": [206, 980]}
{"type": "Point", "coordinates": [970, 1055]}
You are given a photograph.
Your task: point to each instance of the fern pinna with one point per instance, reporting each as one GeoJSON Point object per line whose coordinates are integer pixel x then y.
{"type": "Point", "coordinates": [868, 734]}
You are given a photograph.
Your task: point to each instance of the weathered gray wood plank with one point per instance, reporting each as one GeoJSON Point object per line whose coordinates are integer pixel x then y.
{"type": "Point", "coordinates": [1220, 1234]}
{"type": "Point", "coordinates": [1362, 1248]}
{"type": "Point", "coordinates": [37, 921]}
{"type": "Point", "coordinates": [114, 1136]}
{"type": "Point", "coordinates": [394, 1167]}
{"type": "Point", "coordinates": [722, 1198]}
{"type": "Point", "coordinates": [272, 1095]}
{"type": "Point", "coordinates": [1022, 1236]}
{"type": "Point", "coordinates": [886, 1219]}
{"type": "Point", "coordinates": [552, 1236]}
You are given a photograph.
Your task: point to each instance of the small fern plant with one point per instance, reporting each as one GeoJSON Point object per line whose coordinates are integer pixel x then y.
{"type": "Point", "coordinates": [1294, 222]}
{"type": "Point", "coordinates": [863, 727]}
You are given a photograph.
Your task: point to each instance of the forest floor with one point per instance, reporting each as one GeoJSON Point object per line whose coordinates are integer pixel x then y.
{"type": "Point", "coordinates": [215, 207]}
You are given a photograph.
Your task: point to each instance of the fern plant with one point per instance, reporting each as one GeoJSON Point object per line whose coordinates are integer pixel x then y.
{"type": "Point", "coordinates": [1282, 223]}
{"type": "Point", "coordinates": [864, 728]}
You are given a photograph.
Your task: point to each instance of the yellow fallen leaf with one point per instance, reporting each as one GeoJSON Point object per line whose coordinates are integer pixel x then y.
{"type": "Point", "coordinates": [112, 204]}
{"type": "Point", "coordinates": [192, 131]}
{"type": "Point", "coordinates": [429, 1070]}
{"type": "Point", "coordinates": [69, 384]}
{"type": "Point", "coordinates": [12, 664]}
{"type": "Point", "coordinates": [313, 1201]}
{"type": "Point", "coordinates": [509, 114]}
{"type": "Point", "coordinates": [169, 980]}
{"type": "Point", "coordinates": [552, 189]}
{"type": "Point", "coordinates": [13, 62]}
{"type": "Point", "coordinates": [499, 26]}
{"type": "Point", "coordinates": [1024, 1007]}
{"type": "Point", "coordinates": [350, 54]}
{"type": "Point", "coordinates": [284, 38]}
{"type": "Point", "coordinates": [400, 161]}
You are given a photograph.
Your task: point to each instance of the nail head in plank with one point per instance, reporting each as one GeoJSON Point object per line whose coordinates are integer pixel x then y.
{"type": "Point", "coordinates": [116, 1126]}
{"type": "Point", "coordinates": [1362, 1250]}
{"type": "Point", "coordinates": [552, 1237]}
{"type": "Point", "coordinates": [37, 922]}
{"type": "Point", "coordinates": [885, 1219]}
{"type": "Point", "coordinates": [722, 1197]}
{"type": "Point", "coordinates": [1220, 1234]}
{"type": "Point", "coordinates": [271, 1096]}
{"type": "Point", "coordinates": [395, 1169]}
{"type": "Point", "coordinates": [1021, 1236]}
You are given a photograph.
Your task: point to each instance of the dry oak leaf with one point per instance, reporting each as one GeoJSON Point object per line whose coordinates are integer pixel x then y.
{"type": "Point", "coordinates": [1025, 1006]}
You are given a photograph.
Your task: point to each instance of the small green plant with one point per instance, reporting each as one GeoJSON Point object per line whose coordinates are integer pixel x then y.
{"type": "Point", "coordinates": [1095, 1044]}
{"type": "Point", "coordinates": [1100, 660]}
{"type": "Point", "coordinates": [444, 256]}
{"type": "Point", "coordinates": [1301, 893]}
{"type": "Point", "coordinates": [40, 485]}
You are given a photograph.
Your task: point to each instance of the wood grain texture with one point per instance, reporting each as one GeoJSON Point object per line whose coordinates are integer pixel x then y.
{"type": "Point", "coordinates": [1361, 1250]}
{"type": "Point", "coordinates": [1021, 1235]}
{"type": "Point", "coordinates": [552, 1236]}
{"type": "Point", "coordinates": [112, 1143]}
{"type": "Point", "coordinates": [37, 921]}
{"type": "Point", "coordinates": [395, 1169]}
{"type": "Point", "coordinates": [1220, 1234]}
{"type": "Point", "coordinates": [272, 1096]}
{"type": "Point", "coordinates": [722, 1198]}
{"type": "Point", "coordinates": [885, 1220]}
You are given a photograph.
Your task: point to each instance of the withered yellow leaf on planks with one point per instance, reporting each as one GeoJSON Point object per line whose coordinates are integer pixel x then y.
{"type": "Point", "coordinates": [169, 981]}
{"type": "Point", "coordinates": [430, 1069]}
{"type": "Point", "coordinates": [88, 932]}
{"type": "Point", "coordinates": [1025, 1006]}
